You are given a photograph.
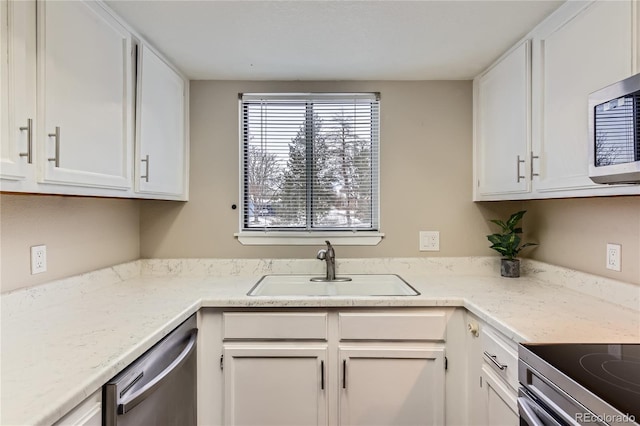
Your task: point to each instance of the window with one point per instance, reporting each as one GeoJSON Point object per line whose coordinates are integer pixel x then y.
{"type": "Point", "coordinates": [310, 163]}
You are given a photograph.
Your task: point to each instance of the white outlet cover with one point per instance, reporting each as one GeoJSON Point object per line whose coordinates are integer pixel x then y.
{"type": "Point", "coordinates": [38, 259]}
{"type": "Point", "coordinates": [613, 257]}
{"type": "Point", "coordinates": [429, 240]}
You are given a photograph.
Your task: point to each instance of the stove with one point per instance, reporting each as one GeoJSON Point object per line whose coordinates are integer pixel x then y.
{"type": "Point", "coordinates": [579, 384]}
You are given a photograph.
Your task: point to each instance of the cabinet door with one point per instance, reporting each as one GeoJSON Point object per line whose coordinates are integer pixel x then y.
{"type": "Point", "coordinates": [498, 400]}
{"type": "Point", "coordinates": [502, 125]}
{"type": "Point", "coordinates": [391, 386]}
{"type": "Point", "coordinates": [17, 88]}
{"type": "Point", "coordinates": [85, 76]}
{"type": "Point", "coordinates": [275, 385]}
{"type": "Point", "coordinates": [87, 413]}
{"type": "Point", "coordinates": [573, 58]}
{"type": "Point", "coordinates": [161, 144]}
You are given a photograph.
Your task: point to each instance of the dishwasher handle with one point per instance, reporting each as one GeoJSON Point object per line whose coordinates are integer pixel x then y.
{"type": "Point", "coordinates": [144, 392]}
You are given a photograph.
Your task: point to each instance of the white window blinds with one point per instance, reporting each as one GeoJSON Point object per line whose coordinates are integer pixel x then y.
{"type": "Point", "coordinates": [310, 161]}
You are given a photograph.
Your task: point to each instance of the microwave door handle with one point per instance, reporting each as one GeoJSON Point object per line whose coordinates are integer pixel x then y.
{"type": "Point", "coordinates": [527, 413]}
{"type": "Point", "coordinates": [144, 392]}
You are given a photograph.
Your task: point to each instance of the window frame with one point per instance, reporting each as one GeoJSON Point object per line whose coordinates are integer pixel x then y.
{"type": "Point", "coordinates": [306, 236]}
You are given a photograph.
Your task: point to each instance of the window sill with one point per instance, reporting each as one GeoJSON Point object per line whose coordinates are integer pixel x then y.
{"type": "Point", "coordinates": [266, 238]}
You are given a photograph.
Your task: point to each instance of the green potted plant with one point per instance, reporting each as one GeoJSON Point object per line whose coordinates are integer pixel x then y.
{"type": "Point", "coordinates": [507, 243]}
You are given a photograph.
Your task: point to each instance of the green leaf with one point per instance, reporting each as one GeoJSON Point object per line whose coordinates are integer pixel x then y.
{"type": "Point", "coordinates": [514, 219]}
{"type": "Point", "coordinates": [500, 223]}
{"type": "Point", "coordinates": [495, 238]}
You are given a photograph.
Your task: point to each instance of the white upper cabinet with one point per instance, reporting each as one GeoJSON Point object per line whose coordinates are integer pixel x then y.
{"type": "Point", "coordinates": [160, 127]}
{"type": "Point", "coordinates": [85, 95]}
{"type": "Point", "coordinates": [582, 47]}
{"type": "Point", "coordinates": [573, 58]}
{"type": "Point", "coordinates": [70, 111]}
{"type": "Point", "coordinates": [502, 117]}
{"type": "Point", "coordinates": [17, 89]}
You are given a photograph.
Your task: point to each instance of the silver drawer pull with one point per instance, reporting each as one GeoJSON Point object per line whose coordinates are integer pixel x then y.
{"type": "Point", "coordinates": [534, 157]}
{"type": "Point", "coordinates": [56, 135]}
{"type": "Point", "coordinates": [145, 160]}
{"type": "Point", "coordinates": [494, 359]}
{"type": "Point", "coordinates": [518, 170]}
{"type": "Point", "coordinates": [29, 130]}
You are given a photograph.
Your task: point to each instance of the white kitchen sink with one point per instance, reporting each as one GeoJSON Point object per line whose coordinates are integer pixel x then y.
{"type": "Point", "coordinates": [360, 285]}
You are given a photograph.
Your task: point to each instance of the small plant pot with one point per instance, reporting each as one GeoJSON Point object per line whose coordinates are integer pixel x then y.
{"type": "Point", "coordinates": [510, 268]}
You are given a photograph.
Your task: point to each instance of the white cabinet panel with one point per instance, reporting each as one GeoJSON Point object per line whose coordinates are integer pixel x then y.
{"type": "Point", "coordinates": [592, 50]}
{"type": "Point", "coordinates": [500, 401]}
{"type": "Point", "coordinates": [87, 413]}
{"type": "Point", "coordinates": [502, 125]}
{"type": "Point", "coordinates": [492, 392]}
{"type": "Point", "coordinates": [275, 325]}
{"type": "Point", "coordinates": [392, 386]}
{"type": "Point", "coordinates": [85, 78]}
{"type": "Point", "coordinates": [393, 325]}
{"type": "Point", "coordinates": [17, 89]}
{"type": "Point", "coordinates": [160, 129]}
{"type": "Point", "coordinates": [277, 385]}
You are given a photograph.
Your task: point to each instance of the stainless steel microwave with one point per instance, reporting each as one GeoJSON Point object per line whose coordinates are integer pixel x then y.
{"type": "Point", "coordinates": [614, 133]}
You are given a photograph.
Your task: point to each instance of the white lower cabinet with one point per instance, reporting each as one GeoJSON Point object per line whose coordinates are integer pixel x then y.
{"type": "Point", "coordinates": [391, 386]}
{"type": "Point", "coordinates": [492, 376]}
{"type": "Point", "coordinates": [87, 413]}
{"type": "Point", "coordinates": [275, 375]}
{"type": "Point", "coordinates": [498, 399]}
{"type": "Point", "coordinates": [275, 385]}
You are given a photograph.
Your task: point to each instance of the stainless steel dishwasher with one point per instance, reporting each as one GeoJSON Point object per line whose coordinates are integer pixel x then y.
{"type": "Point", "coordinates": [159, 388]}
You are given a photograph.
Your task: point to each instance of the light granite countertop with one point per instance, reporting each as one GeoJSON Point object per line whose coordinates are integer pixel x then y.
{"type": "Point", "coordinates": [61, 341]}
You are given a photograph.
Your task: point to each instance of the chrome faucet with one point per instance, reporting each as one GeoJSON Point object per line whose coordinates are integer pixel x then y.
{"type": "Point", "coordinates": [329, 256]}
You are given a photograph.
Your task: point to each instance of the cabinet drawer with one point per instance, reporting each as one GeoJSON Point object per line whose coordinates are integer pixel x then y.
{"type": "Point", "coordinates": [392, 325]}
{"type": "Point", "coordinates": [274, 325]}
{"type": "Point", "coordinates": [501, 356]}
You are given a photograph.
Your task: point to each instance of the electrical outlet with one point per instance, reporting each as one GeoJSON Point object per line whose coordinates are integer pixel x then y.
{"type": "Point", "coordinates": [613, 257]}
{"type": "Point", "coordinates": [38, 259]}
{"type": "Point", "coordinates": [429, 240]}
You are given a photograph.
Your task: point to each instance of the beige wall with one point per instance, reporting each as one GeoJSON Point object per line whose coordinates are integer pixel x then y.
{"type": "Point", "coordinates": [81, 234]}
{"type": "Point", "coordinates": [425, 166]}
{"type": "Point", "coordinates": [574, 233]}
{"type": "Point", "coordinates": [426, 174]}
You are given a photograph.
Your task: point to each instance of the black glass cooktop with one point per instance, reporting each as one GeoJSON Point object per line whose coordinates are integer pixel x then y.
{"type": "Point", "coordinates": [610, 371]}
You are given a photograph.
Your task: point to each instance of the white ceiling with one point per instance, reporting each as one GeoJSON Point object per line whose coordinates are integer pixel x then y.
{"type": "Point", "coordinates": [332, 40]}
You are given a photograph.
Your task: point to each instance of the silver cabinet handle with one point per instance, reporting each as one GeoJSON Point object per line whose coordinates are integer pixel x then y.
{"type": "Point", "coordinates": [534, 157]}
{"type": "Point", "coordinates": [56, 135]}
{"type": "Point", "coordinates": [144, 392]}
{"type": "Point", "coordinates": [518, 170]}
{"type": "Point", "coordinates": [145, 160]}
{"type": "Point", "coordinates": [494, 359]}
{"type": "Point", "coordinates": [29, 130]}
